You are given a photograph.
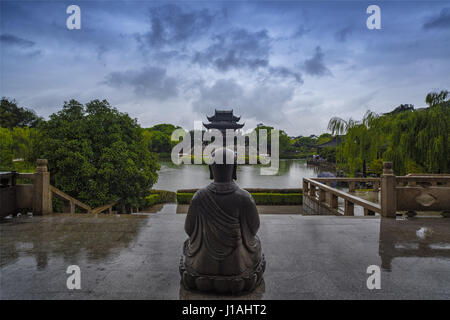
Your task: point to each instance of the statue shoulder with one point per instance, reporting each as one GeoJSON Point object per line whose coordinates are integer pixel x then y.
{"type": "Point", "coordinates": [198, 194]}
{"type": "Point", "coordinates": [244, 196]}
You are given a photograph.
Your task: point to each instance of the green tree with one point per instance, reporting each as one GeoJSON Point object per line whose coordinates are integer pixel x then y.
{"type": "Point", "coordinates": [12, 115]}
{"type": "Point", "coordinates": [328, 153]}
{"type": "Point", "coordinates": [402, 108]}
{"type": "Point", "coordinates": [6, 149]}
{"type": "Point", "coordinates": [324, 137]}
{"type": "Point", "coordinates": [17, 151]}
{"type": "Point", "coordinates": [414, 140]}
{"type": "Point", "coordinates": [284, 141]}
{"type": "Point", "coordinates": [339, 126]}
{"type": "Point", "coordinates": [158, 138]}
{"type": "Point", "coordinates": [97, 154]}
{"type": "Point", "coordinates": [165, 128]}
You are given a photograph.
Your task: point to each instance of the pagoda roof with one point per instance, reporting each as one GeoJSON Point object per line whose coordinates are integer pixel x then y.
{"type": "Point", "coordinates": [223, 116]}
{"type": "Point", "coordinates": [222, 120]}
{"type": "Point", "coordinates": [223, 125]}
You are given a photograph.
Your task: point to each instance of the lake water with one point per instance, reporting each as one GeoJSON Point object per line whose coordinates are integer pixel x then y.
{"type": "Point", "coordinates": [290, 174]}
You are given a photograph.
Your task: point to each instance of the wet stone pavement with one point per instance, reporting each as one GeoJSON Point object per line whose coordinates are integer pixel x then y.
{"type": "Point", "coordinates": [308, 257]}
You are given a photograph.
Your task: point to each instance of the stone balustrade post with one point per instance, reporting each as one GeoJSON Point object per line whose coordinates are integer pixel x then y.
{"type": "Point", "coordinates": [349, 208]}
{"type": "Point", "coordinates": [388, 192]}
{"type": "Point", "coordinates": [312, 191]}
{"type": "Point", "coordinates": [322, 195]}
{"type": "Point", "coordinates": [305, 187]}
{"type": "Point", "coordinates": [333, 201]}
{"type": "Point", "coordinates": [42, 202]}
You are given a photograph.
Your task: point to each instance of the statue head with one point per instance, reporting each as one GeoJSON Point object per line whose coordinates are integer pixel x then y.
{"type": "Point", "coordinates": [226, 170]}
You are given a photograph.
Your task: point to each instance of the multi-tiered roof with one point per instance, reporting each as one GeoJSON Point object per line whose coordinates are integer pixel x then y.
{"type": "Point", "coordinates": [222, 120]}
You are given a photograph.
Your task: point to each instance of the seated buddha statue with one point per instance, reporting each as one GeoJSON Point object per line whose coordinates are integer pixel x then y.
{"type": "Point", "coordinates": [223, 253]}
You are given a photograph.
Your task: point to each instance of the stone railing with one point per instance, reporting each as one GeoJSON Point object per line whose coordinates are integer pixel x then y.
{"type": "Point", "coordinates": [352, 182]}
{"type": "Point", "coordinates": [423, 193]}
{"type": "Point", "coordinates": [69, 203]}
{"type": "Point", "coordinates": [38, 195]}
{"type": "Point", "coordinates": [322, 199]}
{"type": "Point", "coordinates": [411, 193]}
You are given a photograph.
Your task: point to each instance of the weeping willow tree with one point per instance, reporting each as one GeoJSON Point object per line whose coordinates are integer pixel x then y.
{"type": "Point", "coordinates": [358, 148]}
{"type": "Point", "coordinates": [416, 141]}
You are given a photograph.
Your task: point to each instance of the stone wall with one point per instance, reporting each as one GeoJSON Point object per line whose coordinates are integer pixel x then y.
{"type": "Point", "coordinates": [24, 196]}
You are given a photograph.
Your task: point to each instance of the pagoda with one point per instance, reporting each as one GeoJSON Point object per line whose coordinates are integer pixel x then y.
{"type": "Point", "coordinates": [223, 120]}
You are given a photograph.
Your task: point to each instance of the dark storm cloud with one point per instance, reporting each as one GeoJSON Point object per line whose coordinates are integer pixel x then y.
{"type": "Point", "coordinates": [300, 32]}
{"type": "Point", "coordinates": [170, 25]}
{"type": "Point", "coordinates": [12, 40]}
{"type": "Point", "coordinates": [441, 21]}
{"type": "Point", "coordinates": [284, 72]}
{"type": "Point", "coordinates": [342, 34]}
{"type": "Point", "coordinates": [257, 67]}
{"type": "Point", "coordinates": [152, 82]}
{"type": "Point", "coordinates": [237, 48]}
{"type": "Point", "coordinates": [243, 49]}
{"type": "Point", "coordinates": [316, 66]}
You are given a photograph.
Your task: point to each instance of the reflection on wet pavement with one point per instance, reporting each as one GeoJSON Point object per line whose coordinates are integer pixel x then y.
{"type": "Point", "coordinates": [415, 238]}
{"type": "Point", "coordinates": [137, 256]}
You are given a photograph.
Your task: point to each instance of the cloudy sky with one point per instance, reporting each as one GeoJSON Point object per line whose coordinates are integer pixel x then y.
{"type": "Point", "coordinates": [290, 64]}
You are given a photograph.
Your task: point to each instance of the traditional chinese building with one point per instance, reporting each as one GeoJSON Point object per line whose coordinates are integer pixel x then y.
{"type": "Point", "coordinates": [222, 120]}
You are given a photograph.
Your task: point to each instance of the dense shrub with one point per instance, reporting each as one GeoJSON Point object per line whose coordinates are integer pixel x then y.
{"type": "Point", "coordinates": [165, 196]}
{"type": "Point", "coordinates": [260, 198]}
{"type": "Point", "coordinates": [159, 196]}
{"type": "Point", "coordinates": [184, 198]}
{"type": "Point", "coordinates": [187, 190]}
{"type": "Point", "coordinates": [277, 198]}
{"type": "Point", "coordinates": [152, 199]}
{"type": "Point", "coordinates": [266, 190]}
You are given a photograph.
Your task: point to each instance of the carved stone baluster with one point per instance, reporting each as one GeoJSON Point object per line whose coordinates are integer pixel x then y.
{"type": "Point", "coordinates": [305, 186]}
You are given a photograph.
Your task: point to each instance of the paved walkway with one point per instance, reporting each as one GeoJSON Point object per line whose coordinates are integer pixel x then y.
{"type": "Point", "coordinates": [308, 257]}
